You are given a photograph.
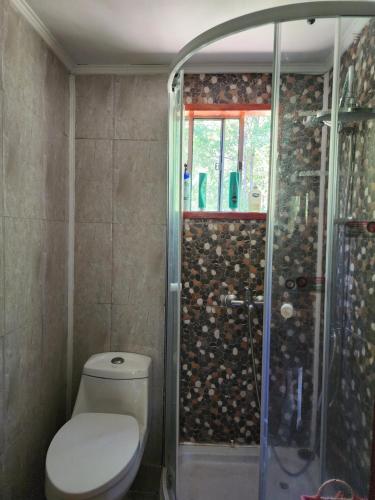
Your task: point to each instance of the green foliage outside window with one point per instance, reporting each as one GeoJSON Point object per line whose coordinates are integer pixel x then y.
{"type": "Point", "coordinates": [207, 136]}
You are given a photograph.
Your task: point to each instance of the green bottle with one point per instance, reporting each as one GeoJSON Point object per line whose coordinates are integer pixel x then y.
{"type": "Point", "coordinates": [234, 182]}
{"type": "Point", "coordinates": [202, 190]}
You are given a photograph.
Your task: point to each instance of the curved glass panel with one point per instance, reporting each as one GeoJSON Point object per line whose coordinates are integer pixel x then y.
{"type": "Point", "coordinates": [350, 384]}
{"type": "Point", "coordinates": [297, 232]}
{"type": "Point", "coordinates": [318, 345]}
{"type": "Point", "coordinates": [173, 287]}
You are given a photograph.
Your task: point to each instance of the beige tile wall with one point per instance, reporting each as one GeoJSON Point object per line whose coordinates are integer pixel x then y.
{"type": "Point", "coordinates": [121, 145]}
{"type": "Point", "coordinates": [33, 251]}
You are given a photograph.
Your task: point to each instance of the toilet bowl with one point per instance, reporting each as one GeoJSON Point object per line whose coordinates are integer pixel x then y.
{"type": "Point", "coordinates": [97, 453]}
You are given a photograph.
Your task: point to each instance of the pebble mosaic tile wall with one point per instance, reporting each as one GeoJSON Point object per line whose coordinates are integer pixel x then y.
{"type": "Point", "coordinates": [297, 213]}
{"type": "Point", "coordinates": [204, 409]}
{"type": "Point", "coordinates": [214, 351]}
{"type": "Point", "coordinates": [248, 88]}
{"type": "Point", "coordinates": [218, 399]}
{"type": "Point", "coordinates": [352, 383]}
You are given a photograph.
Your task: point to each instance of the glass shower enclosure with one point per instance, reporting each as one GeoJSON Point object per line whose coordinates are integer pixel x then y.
{"type": "Point", "coordinates": [318, 383]}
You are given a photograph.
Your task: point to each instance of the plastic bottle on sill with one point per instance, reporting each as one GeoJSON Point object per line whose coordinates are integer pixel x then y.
{"type": "Point", "coordinates": [255, 199]}
{"type": "Point", "coordinates": [202, 193]}
{"type": "Point", "coordinates": [187, 189]}
{"type": "Point", "coordinates": [234, 182]}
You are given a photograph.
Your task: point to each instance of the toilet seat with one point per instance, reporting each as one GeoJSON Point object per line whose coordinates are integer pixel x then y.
{"type": "Point", "coordinates": [91, 453]}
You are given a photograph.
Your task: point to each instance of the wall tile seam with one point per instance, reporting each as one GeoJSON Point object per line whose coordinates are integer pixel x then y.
{"type": "Point", "coordinates": [104, 139]}
{"type": "Point", "coordinates": [118, 139]}
{"type": "Point", "coordinates": [2, 277]}
{"type": "Point", "coordinates": [113, 213]}
{"type": "Point", "coordinates": [93, 222]}
{"type": "Point", "coordinates": [91, 303]}
{"type": "Point", "coordinates": [129, 139]}
{"type": "Point", "coordinates": [41, 219]}
{"type": "Point", "coordinates": [148, 224]}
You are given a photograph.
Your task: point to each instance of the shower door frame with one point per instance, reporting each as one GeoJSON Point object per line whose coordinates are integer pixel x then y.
{"type": "Point", "coordinates": [173, 285]}
{"type": "Point", "coordinates": [275, 16]}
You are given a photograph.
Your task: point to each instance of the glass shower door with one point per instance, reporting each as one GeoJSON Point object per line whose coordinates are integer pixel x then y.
{"type": "Point", "coordinates": [350, 388]}
{"type": "Point", "coordinates": [295, 259]}
{"type": "Point", "coordinates": [173, 285]}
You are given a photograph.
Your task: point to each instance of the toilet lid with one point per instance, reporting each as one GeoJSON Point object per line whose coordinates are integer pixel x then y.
{"type": "Point", "coordinates": [91, 452]}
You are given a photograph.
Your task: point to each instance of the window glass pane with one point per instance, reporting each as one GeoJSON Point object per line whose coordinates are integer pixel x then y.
{"type": "Point", "coordinates": [230, 157]}
{"type": "Point", "coordinates": [257, 139]}
{"type": "Point", "coordinates": [206, 159]}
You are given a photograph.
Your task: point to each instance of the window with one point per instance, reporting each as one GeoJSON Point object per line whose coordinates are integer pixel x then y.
{"type": "Point", "coordinates": [226, 156]}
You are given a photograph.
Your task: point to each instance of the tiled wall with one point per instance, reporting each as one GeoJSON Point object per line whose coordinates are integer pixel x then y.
{"type": "Point", "coordinates": [218, 398]}
{"type": "Point", "coordinates": [352, 381]}
{"type": "Point", "coordinates": [295, 243]}
{"type": "Point", "coordinates": [232, 88]}
{"type": "Point", "coordinates": [33, 251]}
{"type": "Point", "coordinates": [217, 394]}
{"type": "Point", "coordinates": [121, 165]}
{"type": "Point", "coordinates": [293, 350]}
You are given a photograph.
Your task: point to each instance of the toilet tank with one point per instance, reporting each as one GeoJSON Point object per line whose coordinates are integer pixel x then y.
{"type": "Point", "coordinates": [116, 382]}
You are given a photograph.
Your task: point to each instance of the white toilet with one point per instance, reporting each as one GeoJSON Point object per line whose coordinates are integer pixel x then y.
{"type": "Point", "coordinates": [96, 454]}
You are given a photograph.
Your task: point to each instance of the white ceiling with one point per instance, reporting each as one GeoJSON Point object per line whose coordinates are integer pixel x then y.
{"type": "Point", "coordinates": [299, 42]}
{"type": "Point", "coordinates": [153, 31]}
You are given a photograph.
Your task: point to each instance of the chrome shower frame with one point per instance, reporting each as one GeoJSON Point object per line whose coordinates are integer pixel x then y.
{"type": "Point", "coordinates": [293, 12]}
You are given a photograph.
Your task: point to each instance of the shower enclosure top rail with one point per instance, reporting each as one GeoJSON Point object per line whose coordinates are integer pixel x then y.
{"type": "Point", "coordinates": [291, 12]}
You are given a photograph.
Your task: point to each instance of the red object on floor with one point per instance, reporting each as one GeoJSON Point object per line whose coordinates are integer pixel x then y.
{"type": "Point", "coordinates": [338, 482]}
{"type": "Point", "coordinates": [338, 495]}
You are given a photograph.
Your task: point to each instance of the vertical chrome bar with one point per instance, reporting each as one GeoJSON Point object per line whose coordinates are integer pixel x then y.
{"type": "Point", "coordinates": [240, 170]}
{"type": "Point", "coordinates": [268, 270]}
{"type": "Point", "coordinates": [330, 241]}
{"type": "Point", "coordinates": [172, 350]}
{"type": "Point", "coordinates": [221, 164]}
{"type": "Point", "coordinates": [190, 145]}
{"type": "Point", "coordinates": [319, 270]}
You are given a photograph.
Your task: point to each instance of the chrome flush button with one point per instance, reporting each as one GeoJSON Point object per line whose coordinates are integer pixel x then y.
{"type": "Point", "coordinates": [118, 360]}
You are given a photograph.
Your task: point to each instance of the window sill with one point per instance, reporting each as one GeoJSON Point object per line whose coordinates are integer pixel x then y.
{"type": "Point", "coordinates": [226, 215]}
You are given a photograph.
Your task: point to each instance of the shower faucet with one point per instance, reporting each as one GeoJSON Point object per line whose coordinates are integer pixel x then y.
{"type": "Point", "coordinates": [250, 301]}
{"type": "Point", "coordinates": [232, 301]}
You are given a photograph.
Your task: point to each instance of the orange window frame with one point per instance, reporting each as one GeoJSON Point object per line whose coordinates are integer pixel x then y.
{"type": "Point", "coordinates": [232, 110]}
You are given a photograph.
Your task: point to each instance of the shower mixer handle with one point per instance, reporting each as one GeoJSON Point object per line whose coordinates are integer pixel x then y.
{"type": "Point", "coordinates": [258, 300]}
{"type": "Point", "coordinates": [232, 301]}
